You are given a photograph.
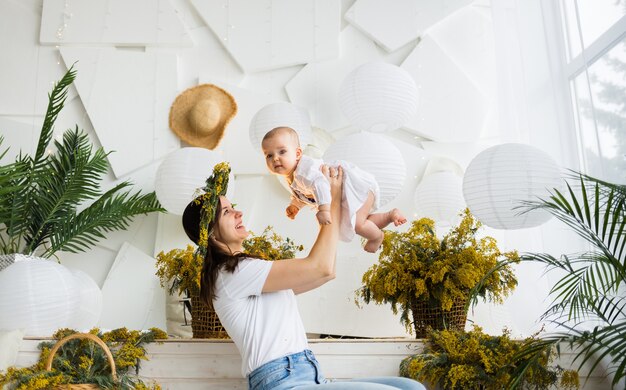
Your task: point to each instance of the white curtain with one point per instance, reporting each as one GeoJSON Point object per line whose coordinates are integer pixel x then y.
{"type": "Point", "coordinates": [533, 98]}
{"type": "Point", "coordinates": [532, 107]}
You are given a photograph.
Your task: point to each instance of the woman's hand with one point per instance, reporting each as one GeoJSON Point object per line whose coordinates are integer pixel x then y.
{"type": "Point", "coordinates": [335, 178]}
{"type": "Point", "coordinates": [301, 275]}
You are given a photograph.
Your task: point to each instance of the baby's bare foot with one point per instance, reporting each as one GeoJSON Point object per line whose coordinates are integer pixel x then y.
{"type": "Point", "coordinates": [397, 217]}
{"type": "Point", "coordinates": [372, 246]}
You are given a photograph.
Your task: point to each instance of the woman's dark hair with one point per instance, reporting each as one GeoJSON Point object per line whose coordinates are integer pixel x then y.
{"type": "Point", "coordinates": [216, 257]}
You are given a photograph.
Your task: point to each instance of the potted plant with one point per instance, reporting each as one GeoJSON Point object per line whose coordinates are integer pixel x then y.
{"type": "Point", "coordinates": [455, 359]}
{"type": "Point", "coordinates": [591, 284]}
{"type": "Point", "coordinates": [78, 364]}
{"type": "Point", "coordinates": [430, 278]}
{"type": "Point", "coordinates": [40, 194]}
{"type": "Point", "coordinates": [179, 270]}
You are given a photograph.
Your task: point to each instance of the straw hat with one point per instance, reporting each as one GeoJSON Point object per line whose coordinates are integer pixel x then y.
{"type": "Point", "coordinates": [200, 115]}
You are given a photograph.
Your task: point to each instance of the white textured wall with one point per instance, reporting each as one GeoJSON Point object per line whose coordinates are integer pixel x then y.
{"type": "Point", "coordinates": [178, 45]}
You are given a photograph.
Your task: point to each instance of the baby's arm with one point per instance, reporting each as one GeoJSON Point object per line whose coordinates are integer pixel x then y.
{"type": "Point", "coordinates": [294, 207]}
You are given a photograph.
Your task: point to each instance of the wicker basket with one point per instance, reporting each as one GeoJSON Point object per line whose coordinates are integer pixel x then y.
{"type": "Point", "coordinates": [426, 317]}
{"type": "Point", "coordinates": [204, 321]}
{"type": "Point", "coordinates": [80, 386]}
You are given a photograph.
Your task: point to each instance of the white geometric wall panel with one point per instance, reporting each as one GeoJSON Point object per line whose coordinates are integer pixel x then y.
{"type": "Point", "coordinates": [316, 86]}
{"type": "Point", "coordinates": [395, 23]}
{"type": "Point", "coordinates": [451, 108]}
{"type": "Point", "coordinates": [127, 95]}
{"type": "Point", "coordinates": [17, 136]}
{"type": "Point", "coordinates": [459, 152]}
{"type": "Point", "coordinates": [142, 309]}
{"type": "Point", "coordinates": [119, 22]}
{"type": "Point", "coordinates": [270, 83]}
{"type": "Point", "coordinates": [73, 115]}
{"type": "Point", "coordinates": [243, 157]}
{"type": "Point", "coordinates": [466, 37]}
{"type": "Point", "coordinates": [29, 71]}
{"type": "Point", "coordinates": [269, 34]}
{"type": "Point", "coordinates": [206, 55]}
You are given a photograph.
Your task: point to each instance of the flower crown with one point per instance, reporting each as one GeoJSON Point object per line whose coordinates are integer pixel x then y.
{"type": "Point", "coordinates": [216, 186]}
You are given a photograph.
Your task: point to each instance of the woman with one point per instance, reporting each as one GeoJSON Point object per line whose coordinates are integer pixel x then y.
{"type": "Point", "coordinates": [255, 299]}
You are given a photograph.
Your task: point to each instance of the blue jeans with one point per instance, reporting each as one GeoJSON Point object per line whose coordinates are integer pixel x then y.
{"type": "Point", "coordinates": [302, 371]}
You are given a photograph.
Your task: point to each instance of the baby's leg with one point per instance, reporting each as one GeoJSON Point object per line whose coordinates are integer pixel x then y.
{"type": "Point", "coordinates": [383, 219]}
{"type": "Point", "coordinates": [366, 228]}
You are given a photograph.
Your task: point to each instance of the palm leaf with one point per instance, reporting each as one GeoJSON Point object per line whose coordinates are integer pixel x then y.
{"type": "Point", "coordinates": [39, 195]}
{"type": "Point", "coordinates": [21, 200]}
{"type": "Point", "coordinates": [70, 177]}
{"type": "Point", "coordinates": [8, 175]}
{"type": "Point", "coordinates": [591, 281]}
{"type": "Point", "coordinates": [112, 211]}
{"type": "Point", "coordinates": [56, 101]}
{"type": "Point", "coordinates": [13, 202]}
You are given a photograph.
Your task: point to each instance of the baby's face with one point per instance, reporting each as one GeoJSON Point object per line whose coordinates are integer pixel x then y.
{"type": "Point", "coordinates": [281, 154]}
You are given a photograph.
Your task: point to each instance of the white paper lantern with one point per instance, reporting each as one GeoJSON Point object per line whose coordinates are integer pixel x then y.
{"type": "Point", "coordinates": [280, 114]}
{"type": "Point", "coordinates": [39, 296]}
{"type": "Point", "coordinates": [374, 154]}
{"type": "Point", "coordinates": [439, 196]}
{"type": "Point", "coordinates": [182, 173]}
{"type": "Point", "coordinates": [378, 97]}
{"type": "Point", "coordinates": [500, 178]}
{"type": "Point", "coordinates": [89, 306]}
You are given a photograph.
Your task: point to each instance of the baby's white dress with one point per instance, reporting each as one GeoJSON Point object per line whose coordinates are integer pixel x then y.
{"type": "Point", "coordinates": [310, 187]}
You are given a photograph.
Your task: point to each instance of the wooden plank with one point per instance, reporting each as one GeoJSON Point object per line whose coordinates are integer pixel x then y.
{"type": "Point", "coordinates": [201, 384]}
{"type": "Point", "coordinates": [216, 364]}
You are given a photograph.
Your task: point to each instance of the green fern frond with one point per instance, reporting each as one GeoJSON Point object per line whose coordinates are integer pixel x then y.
{"type": "Point", "coordinates": [70, 177]}
{"type": "Point", "coordinates": [40, 195]}
{"type": "Point", "coordinates": [56, 101]}
{"type": "Point", "coordinates": [591, 282]}
{"type": "Point", "coordinates": [112, 211]}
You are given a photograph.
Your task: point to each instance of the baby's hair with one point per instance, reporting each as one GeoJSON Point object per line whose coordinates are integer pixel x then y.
{"type": "Point", "coordinates": [282, 130]}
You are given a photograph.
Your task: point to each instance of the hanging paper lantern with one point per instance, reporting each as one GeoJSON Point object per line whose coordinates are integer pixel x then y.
{"type": "Point", "coordinates": [374, 154]}
{"type": "Point", "coordinates": [280, 114]}
{"type": "Point", "coordinates": [500, 178]}
{"type": "Point", "coordinates": [89, 306]}
{"type": "Point", "coordinates": [378, 97]}
{"type": "Point", "coordinates": [39, 296]}
{"type": "Point", "coordinates": [182, 173]}
{"type": "Point", "coordinates": [439, 196]}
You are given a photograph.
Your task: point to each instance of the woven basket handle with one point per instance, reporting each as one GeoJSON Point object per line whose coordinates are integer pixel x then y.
{"type": "Point", "coordinates": [89, 336]}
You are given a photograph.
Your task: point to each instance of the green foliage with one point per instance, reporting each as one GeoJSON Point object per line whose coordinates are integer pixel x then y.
{"type": "Point", "coordinates": [592, 283]}
{"type": "Point", "coordinates": [417, 266]}
{"type": "Point", "coordinates": [180, 270]}
{"type": "Point", "coordinates": [80, 361]}
{"type": "Point", "coordinates": [270, 246]}
{"type": "Point", "coordinates": [40, 194]}
{"type": "Point", "coordinates": [475, 360]}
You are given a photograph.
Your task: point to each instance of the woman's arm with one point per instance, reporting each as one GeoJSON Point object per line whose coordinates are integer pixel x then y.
{"type": "Point", "coordinates": [318, 267]}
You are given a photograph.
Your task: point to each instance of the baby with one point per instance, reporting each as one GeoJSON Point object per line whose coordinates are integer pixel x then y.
{"type": "Point", "coordinates": [283, 156]}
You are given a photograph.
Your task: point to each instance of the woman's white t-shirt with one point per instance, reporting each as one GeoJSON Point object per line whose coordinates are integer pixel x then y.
{"type": "Point", "coordinates": [263, 326]}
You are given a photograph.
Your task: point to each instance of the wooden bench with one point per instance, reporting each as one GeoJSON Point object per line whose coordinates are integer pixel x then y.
{"type": "Point", "coordinates": [194, 364]}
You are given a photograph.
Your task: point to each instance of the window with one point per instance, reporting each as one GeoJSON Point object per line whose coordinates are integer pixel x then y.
{"type": "Point", "coordinates": [596, 68]}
